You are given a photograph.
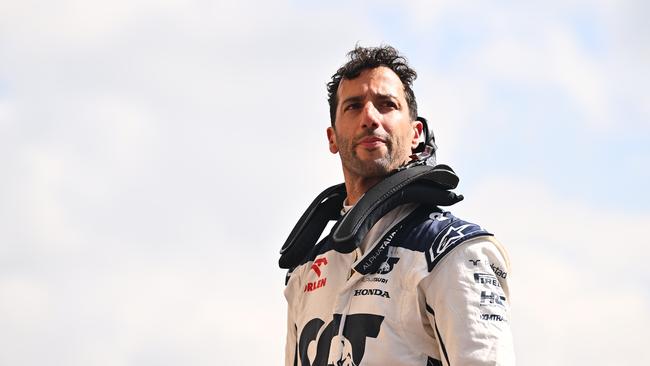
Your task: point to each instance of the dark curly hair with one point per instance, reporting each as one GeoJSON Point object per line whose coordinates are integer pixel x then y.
{"type": "Point", "coordinates": [363, 58]}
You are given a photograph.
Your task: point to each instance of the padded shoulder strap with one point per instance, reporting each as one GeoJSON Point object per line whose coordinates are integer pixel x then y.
{"type": "Point", "coordinates": [325, 208]}
{"type": "Point", "coordinates": [415, 183]}
{"type": "Point", "coordinates": [422, 184]}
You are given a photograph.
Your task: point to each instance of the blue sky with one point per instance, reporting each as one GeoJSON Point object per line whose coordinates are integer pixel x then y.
{"type": "Point", "coordinates": [155, 154]}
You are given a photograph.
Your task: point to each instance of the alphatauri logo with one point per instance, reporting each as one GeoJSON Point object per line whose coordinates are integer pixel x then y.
{"type": "Point", "coordinates": [387, 266]}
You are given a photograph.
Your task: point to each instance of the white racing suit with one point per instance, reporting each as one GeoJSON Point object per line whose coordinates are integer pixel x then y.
{"type": "Point", "coordinates": [424, 288]}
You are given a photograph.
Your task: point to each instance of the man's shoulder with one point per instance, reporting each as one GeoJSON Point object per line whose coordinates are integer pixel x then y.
{"type": "Point", "coordinates": [436, 233]}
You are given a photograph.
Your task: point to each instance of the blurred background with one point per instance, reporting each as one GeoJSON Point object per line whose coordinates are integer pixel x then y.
{"type": "Point", "coordinates": [154, 155]}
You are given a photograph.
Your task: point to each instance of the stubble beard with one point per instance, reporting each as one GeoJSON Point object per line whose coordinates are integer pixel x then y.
{"type": "Point", "coordinates": [376, 168]}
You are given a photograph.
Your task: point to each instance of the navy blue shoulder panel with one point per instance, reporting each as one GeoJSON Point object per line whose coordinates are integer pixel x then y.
{"type": "Point", "coordinates": [436, 233]}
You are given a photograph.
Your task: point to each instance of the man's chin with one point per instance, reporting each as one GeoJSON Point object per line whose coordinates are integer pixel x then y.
{"type": "Point", "coordinates": [379, 151]}
{"type": "Point", "coordinates": [373, 168]}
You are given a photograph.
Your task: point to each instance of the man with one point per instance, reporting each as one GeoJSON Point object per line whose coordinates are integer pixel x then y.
{"type": "Point", "coordinates": [421, 287]}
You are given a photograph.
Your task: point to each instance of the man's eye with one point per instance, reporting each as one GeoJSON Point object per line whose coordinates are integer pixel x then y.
{"type": "Point", "coordinates": [388, 105]}
{"type": "Point", "coordinates": [352, 106]}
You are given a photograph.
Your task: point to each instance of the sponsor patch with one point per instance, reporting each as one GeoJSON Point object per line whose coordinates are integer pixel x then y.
{"type": "Point", "coordinates": [312, 286]}
{"type": "Point", "coordinates": [320, 343]}
{"type": "Point", "coordinates": [387, 266]}
{"type": "Point", "coordinates": [371, 292]}
{"type": "Point", "coordinates": [375, 258]}
{"type": "Point", "coordinates": [492, 298]}
{"type": "Point", "coordinates": [438, 216]}
{"type": "Point", "coordinates": [454, 233]}
{"type": "Point", "coordinates": [486, 279]}
{"type": "Point", "coordinates": [375, 279]}
{"type": "Point", "coordinates": [498, 271]}
{"type": "Point", "coordinates": [493, 317]}
{"type": "Point", "coordinates": [317, 263]}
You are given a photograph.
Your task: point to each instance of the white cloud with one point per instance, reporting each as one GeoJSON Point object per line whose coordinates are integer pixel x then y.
{"type": "Point", "coordinates": [576, 270]}
{"type": "Point", "coordinates": [592, 54]}
{"type": "Point", "coordinates": [554, 60]}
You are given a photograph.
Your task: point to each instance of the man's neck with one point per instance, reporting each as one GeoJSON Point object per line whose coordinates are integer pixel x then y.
{"type": "Point", "coordinates": [358, 186]}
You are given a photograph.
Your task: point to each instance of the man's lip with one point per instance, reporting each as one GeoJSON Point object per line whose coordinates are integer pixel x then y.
{"type": "Point", "coordinates": [371, 139]}
{"type": "Point", "coordinates": [371, 142]}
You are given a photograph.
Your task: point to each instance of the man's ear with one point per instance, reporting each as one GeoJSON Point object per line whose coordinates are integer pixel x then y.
{"type": "Point", "coordinates": [417, 132]}
{"type": "Point", "coordinates": [331, 137]}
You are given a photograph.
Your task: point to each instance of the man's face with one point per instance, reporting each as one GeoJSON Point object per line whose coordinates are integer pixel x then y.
{"type": "Point", "coordinates": [373, 131]}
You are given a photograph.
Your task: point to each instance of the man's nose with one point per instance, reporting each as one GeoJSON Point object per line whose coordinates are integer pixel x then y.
{"type": "Point", "coordinates": [370, 117]}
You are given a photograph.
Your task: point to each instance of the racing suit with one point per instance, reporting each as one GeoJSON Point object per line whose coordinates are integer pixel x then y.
{"type": "Point", "coordinates": [423, 288]}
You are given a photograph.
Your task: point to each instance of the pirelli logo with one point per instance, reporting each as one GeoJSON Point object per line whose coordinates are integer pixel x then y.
{"type": "Point", "coordinates": [486, 279]}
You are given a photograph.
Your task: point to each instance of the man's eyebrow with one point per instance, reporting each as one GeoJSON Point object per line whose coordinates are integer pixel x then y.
{"type": "Point", "coordinates": [386, 96]}
{"type": "Point", "coordinates": [359, 98]}
{"type": "Point", "coordinates": [353, 99]}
